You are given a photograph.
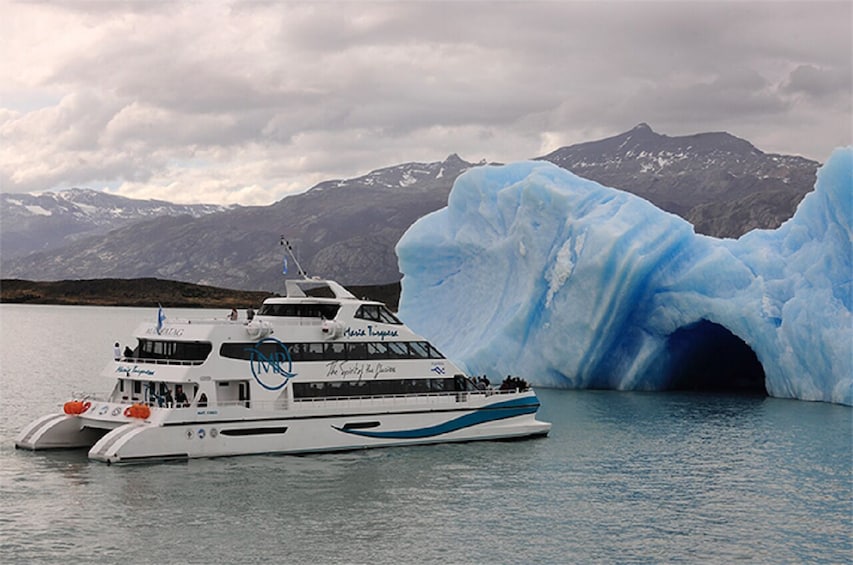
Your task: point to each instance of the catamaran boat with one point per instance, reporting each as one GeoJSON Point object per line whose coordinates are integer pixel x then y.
{"type": "Point", "coordinates": [315, 371]}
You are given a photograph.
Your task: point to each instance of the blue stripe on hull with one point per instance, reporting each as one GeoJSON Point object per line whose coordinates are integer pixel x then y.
{"type": "Point", "coordinates": [493, 412]}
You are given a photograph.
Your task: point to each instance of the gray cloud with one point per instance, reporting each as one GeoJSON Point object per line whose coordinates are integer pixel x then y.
{"type": "Point", "coordinates": [249, 101]}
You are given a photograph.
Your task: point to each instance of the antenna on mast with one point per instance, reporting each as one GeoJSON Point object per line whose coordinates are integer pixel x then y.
{"type": "Point", "coordinates": [289, 249]}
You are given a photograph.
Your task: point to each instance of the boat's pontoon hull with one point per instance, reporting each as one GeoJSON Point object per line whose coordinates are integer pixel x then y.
{"type": "Point", "coordinates": [223, 433]}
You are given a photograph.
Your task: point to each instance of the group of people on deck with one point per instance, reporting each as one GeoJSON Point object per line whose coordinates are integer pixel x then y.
{"type": "Point", "coordinates": [233, 316]}
{"type": "Point", "coordinates": [481, 382]}
{"type": "Point", "coordinates": [509, 383]}
{"type": "Point", "coordinates": [165, 399]}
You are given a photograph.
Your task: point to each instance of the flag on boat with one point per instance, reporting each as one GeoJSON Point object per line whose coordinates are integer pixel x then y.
{"type": "Point", "coordinates": [161, 317]}
{"type": "Point", "coordinates": [284, 268]}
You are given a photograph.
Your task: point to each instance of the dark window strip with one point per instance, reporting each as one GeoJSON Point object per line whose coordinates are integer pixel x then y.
{"type": "Point", "coordinates": [333, 351]}
{"type": "Point", "coordinates": [360, 425]}
{"type": "Point", "coordinates": [253, 431]}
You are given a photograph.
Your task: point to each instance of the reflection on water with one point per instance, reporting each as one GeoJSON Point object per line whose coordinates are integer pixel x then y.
{"type": "Point", "coordinates": [623, 477]}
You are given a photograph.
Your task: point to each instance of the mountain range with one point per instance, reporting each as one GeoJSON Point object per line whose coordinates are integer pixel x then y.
{"type": "Point", "coordinates": [347, 229]}
{"type": "Point", "coordinates": [41, 222]}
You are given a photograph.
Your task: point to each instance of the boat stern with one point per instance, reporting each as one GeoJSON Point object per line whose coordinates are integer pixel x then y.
{"type": "Point", "coordinates": [57, 431]}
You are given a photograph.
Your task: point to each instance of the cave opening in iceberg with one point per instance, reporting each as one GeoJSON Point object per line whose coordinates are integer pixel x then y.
{"type": "Point", "coordinates": [705, 356]}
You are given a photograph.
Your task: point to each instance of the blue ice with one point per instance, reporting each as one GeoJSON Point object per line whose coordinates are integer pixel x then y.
{"type": "Point", "coordinates": [533, 271]}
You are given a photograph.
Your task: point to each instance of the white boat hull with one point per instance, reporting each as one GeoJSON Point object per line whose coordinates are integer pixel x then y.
{"type": "Point", "coordinates": [309, 427]}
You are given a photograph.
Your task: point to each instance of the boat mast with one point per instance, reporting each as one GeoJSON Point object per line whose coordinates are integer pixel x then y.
{"type": "Point", "coordinates": [290, 252]}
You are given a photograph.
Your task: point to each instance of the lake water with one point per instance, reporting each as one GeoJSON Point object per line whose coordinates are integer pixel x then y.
{"type": "Point", "coordinates": [623, 477]}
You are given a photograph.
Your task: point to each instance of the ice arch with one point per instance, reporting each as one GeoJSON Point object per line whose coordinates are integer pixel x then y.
{"type": "Point", "coordinates": [534, 271]}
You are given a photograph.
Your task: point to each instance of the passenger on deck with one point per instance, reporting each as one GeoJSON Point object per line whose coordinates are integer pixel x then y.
{"type": "Point", "coordinates": [181, 397]}
{"type": "Point", "coordinates": [117, 352]}
{"type": "Point", "coordinates": [233, 315]}
{"type": "Point", "coordinates": [202, 400]}
{"type": "Point", "coordinates": [167, 398]}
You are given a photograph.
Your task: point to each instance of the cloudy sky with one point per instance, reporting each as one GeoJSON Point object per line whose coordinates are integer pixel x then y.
{"type": "Point", "coordinates": [246, 102]}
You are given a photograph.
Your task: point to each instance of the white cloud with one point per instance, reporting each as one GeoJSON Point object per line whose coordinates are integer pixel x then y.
{"type": "Point", "coordinates": [245, 102]}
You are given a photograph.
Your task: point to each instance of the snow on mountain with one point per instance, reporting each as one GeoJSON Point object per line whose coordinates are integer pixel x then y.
{"type": "Point", "coordinates": [721, 184]}
{"type": "Point", "coordinates": [420, 175]}
{"type": "Point", "coordinates": [37, 222]}
{"type": "Point", "coordinates": [344, 229]}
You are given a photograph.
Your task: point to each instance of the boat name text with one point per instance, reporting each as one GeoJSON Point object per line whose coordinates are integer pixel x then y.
{"type": "Point", "coordinates": [135, 370]}
{"type": "Point", "coordinates": [176, 332]}
{"type": "Point", "coordinates": [370, 332]}
{"type": "Point", "coordinates": [359, 371]}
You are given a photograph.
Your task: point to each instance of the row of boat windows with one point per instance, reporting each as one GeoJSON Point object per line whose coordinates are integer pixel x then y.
{"type": "Point", "coordinates": [378, 387]}
{"type": "Point", "coordinates": [372, 312]}
{"type": "Point", "coordinates": [175, 350]}
{"type": "Point", "coordinates": [333, 351]}
{"type": "Point", "coordinates": [317, 351]}
{"type": "Point", "coordinates": [325, 311]}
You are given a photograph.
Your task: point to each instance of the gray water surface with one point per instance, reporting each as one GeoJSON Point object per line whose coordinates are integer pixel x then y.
{"type": "Point", "coordinates": [623, 477]}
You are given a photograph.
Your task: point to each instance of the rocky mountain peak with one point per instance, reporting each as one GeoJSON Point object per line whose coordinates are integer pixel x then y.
{"type": "Point", "coordinates": [347, 229]}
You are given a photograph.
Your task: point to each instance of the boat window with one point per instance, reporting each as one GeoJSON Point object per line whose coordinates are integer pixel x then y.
{"type": "Point", "coordinates": [357, 350]}
{"type": "Point", "coordinates": [418, 385]}
{"type": "Point", "coordinates": [377, 350]}
{"type": "Point", "coordinates": [312, 351]}
{"type": "Point", "coordinates": [441, 385]}
{"type": "Point", "coordinates": [267, 349]}
{"type": "Point", "coordinates": [374, 387]}
{"type": "Point", "coordinates": [433, 352]}
{"type": "Point", "coordinates": [335, 351]}
{"type": "Point", "coordinates": [173, 350]}
{"type": "Point", "coordinates": [377, 313]}
{"type": "Point", "coordinates": [420, 349]}
{"type": "Point", "coordinates": [398, 349]}
{"type": "Point", "coordinates": [387, 317]}
{"type": "Point", "coordinates": [253, 431]}
{"type": "Point", "coordinates": [316, 310]}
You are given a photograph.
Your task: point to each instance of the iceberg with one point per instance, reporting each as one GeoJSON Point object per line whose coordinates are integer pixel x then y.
{"type": "Point", "coordinates": [533, 271]}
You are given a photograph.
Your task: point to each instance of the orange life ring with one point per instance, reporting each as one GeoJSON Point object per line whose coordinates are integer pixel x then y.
{"type": "Point", "coordinates": [86, 405]}
{"type": "Point", "coordinates": [73, 407]}
{"type": "Point", "coordinates": [137, 411]}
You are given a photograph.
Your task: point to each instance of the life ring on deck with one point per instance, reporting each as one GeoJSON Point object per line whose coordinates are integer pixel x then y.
{"type": "Point", "coordinates": [140, 411]}
{"type": "Point", "coordinates": [73, 408]}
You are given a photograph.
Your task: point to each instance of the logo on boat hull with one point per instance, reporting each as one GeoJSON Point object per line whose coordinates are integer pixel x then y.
{"type": "Point", "coordinates": [270, 360]}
